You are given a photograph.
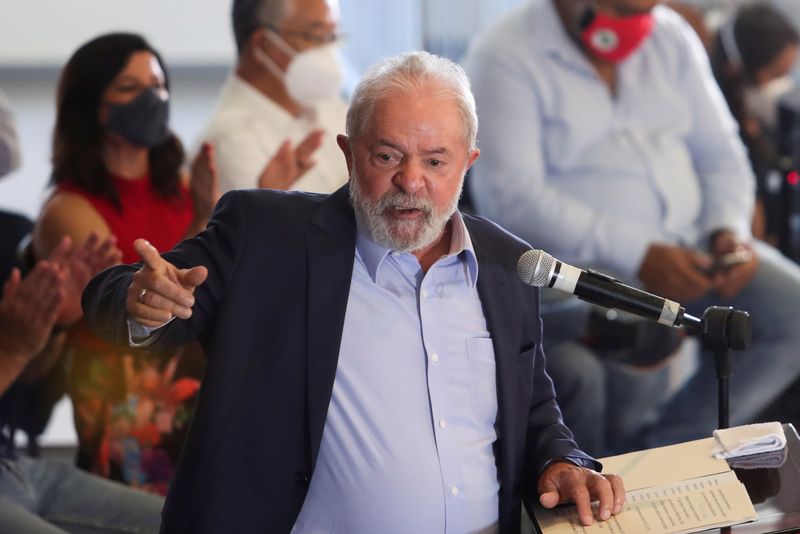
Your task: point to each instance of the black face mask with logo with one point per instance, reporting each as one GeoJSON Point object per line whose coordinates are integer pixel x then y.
{"type": "Point", "coordinates": [142, 121]}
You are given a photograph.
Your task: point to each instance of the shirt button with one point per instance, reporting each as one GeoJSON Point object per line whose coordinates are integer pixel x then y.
{"type": "Point", "coordinates": [424, 293]}
{"type": "Point", "coordinates": [435, 357]}
{"type": "Point", "coordinates": [454, 490]}
{"type": "Point", "coordinates": [442, 423]}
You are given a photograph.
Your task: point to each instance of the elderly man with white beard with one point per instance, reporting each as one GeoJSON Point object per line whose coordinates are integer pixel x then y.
{"type": "Point", "coordinates": [374, 361]}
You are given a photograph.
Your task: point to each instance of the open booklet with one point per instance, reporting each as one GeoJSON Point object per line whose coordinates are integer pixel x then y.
{"type": "Point", "coordinates": [674, 489]}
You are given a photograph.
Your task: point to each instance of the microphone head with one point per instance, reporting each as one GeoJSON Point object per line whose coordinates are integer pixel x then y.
{"type": "Point", "coordinates": [535, 267]}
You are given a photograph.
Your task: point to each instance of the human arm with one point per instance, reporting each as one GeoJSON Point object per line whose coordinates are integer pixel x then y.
{"type": "Point", "coordinates": [216, 250]}
{"type": "Point", "coordinates": [77, 265]}
{"type": "Point", "coordinates": [725, 173]}
{"type": "Point", "coordinates": [563, 482]}
{"type": "Point", "coordinates": [285, 167]}
{"type": "Point", "coordinates": [675, 272]}
{"type": "Point", "coordinates": [204, 188]}
{"type": "Point", "coordinates": [290, 162]}
{"type": "Point", "coordinates": [255, 157]}
{"type": "Point", "coordinates": [719, 156]}
{"type": "Point", "coordinates": [160, 291]}
{"type": "Point", "coordinates": [561, 471]}
{"type": "Point", "coordinates": [28, 311]}
{"type": "Point", "coordinates": [730, 280]}
{"type": "Point", "coordinates": [66, 220]}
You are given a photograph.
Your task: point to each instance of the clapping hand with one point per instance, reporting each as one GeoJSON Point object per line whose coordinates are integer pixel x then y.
{"type": "Point", "coordinates": [289, 164]}
{"type": "Point", "coordinates": [160, 291]}
{"type": "Point", "coordinates": [28, 310]}
{"type": "Point", "coordinates": [204, 186]}
{"type": "Point", "coordinates": [79, 265]}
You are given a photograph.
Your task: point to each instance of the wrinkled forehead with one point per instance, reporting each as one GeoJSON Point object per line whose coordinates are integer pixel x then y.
{"type": "Point", "coordinates": [421, 112]}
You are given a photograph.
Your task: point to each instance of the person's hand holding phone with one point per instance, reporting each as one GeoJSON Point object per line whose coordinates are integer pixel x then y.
{"type": "Point", "coordinates": [734, 265]}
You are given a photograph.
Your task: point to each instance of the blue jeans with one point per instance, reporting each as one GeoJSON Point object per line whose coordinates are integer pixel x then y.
{"type": "Point", "coordinates": [761, 373]}
{"type": "Point", "coordinates": [605, 403]}
{"type": "Point", "coordinates": [45, 497]}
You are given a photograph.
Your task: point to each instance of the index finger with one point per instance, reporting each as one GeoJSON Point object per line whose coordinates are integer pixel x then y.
{"type": "Point", "coordinates": [148, 253]}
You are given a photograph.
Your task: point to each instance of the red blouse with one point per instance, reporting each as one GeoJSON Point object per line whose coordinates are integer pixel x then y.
{"type": "Point", "coordinates": [162, 221]}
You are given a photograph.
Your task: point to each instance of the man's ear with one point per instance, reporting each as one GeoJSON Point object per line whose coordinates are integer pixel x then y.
{"type": "Point", "coordinates": [473, 156]}
{"type": "Point", "coordinates": [344, 144]}
{"type": "Point", "coordinates": [257, 39]}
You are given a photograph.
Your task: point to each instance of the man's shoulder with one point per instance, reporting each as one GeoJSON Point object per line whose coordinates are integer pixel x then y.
{"type": "Point", "coordinates": [278, 208]}
{"type": "Point", "coordinates": [274, 199]}
{"type": "Point", "coordinates": [670, 26]}
{"type": "Point", "coordinates": [488, 231]}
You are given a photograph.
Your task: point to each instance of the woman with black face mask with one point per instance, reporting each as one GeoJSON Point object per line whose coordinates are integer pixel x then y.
{"type": "Point", "coordinates": [117, 170]}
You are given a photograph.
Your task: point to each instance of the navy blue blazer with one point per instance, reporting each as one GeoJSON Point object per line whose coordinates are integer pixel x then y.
{"type": "Point", "coordinates": [270, 318]}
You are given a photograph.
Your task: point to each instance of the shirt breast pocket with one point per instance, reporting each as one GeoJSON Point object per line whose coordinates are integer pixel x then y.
{"type": "Point", "coordinates": [483, 382]}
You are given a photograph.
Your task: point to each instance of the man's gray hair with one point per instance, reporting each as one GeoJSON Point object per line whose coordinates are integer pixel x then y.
{"type": "Point", "coordinates": [405, 74]}
{"type": "Point", "coordinates": [249, 15]}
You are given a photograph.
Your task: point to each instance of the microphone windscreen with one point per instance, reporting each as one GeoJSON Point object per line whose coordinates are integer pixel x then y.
{"type": "Point", "coordinates": [535, 267]}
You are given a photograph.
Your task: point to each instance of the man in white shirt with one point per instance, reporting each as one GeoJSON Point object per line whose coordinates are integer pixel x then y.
{"type": "Point", "coordinates": [283, 103]}
{"type": "Point", "coordinates": [606, 141]}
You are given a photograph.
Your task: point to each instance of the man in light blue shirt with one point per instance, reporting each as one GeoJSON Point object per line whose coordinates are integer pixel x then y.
{"type": "Point", "coordinates": [606, 142]}
{"type": "Point", "coordinates": [375, 362]}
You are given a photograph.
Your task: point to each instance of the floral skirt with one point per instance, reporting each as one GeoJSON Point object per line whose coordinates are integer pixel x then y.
{"type": "Point", "coordinates": [132, 409]}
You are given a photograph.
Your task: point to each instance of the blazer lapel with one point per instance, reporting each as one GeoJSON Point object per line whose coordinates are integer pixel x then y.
{"type": "Point", "coordinates": [497, 299]}
{"type": "Point", "coordinates": [331, 252]}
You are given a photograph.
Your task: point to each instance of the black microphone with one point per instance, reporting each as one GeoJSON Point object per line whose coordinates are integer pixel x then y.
{"type": "Point", "coordinates": [540, 269]}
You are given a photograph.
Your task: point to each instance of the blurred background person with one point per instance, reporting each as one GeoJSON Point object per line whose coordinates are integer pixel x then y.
{"type": "Point", "coordinates": [44, 496]}
{"type": "Point", "coordinates": [15, 226]}
{"type": "Point", "coordinates": [117, 171]}
{"type": "Point", "coordinates": [283, 100]}
{"type": "Point", "coordinates": [752, 57]}
{"type": "Point", "coordinates": [606, 141]}
{"type": "Point", "coordinates": [26, 406]}
{"type": "Point", "coordinates": [9, 144]}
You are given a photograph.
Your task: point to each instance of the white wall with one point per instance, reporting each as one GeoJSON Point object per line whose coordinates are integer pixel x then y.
{"type": "Point", "coordinates": [45, 32]}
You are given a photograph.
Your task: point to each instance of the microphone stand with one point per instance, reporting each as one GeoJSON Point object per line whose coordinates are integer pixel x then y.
{"type": "Point", "coordinates": [721, 330]}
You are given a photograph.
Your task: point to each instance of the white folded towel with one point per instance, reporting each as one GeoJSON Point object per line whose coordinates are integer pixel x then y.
{"type": "Point", "coordinates": [748, 439]}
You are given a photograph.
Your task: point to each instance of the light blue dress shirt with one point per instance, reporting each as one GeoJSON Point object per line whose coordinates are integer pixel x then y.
{"type": "Point", "coordinates": [594, 177]}
{"type": "Point", "coordinates": [407, 444]}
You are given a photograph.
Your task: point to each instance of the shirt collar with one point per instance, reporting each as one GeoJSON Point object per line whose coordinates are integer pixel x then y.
{"type": "Point", "coordinates": [373, 254]}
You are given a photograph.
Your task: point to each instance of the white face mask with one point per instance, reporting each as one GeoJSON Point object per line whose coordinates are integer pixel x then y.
{"type": "Point", "coordinates": [312, 76]}
{"type": "Point", "coordinates": [762, 101]}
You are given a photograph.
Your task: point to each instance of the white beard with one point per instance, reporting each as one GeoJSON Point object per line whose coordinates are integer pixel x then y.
{"type": "Point", "coordinates": [395, 234]}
